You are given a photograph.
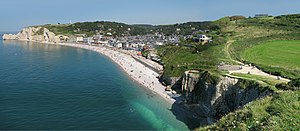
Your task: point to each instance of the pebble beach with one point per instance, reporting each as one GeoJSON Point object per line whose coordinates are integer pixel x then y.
{"type": "Point", "coordinates": [136, 70]}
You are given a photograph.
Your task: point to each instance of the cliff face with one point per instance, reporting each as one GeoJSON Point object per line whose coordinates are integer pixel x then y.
{"type": "Point", "coordinates": [212, 97]}
{"type": "Point", "coordinates": [38, 34]}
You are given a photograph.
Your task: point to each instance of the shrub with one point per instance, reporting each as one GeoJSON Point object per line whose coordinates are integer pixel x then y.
{"type": "Point", "coordinates": [283, 86]}
{"type": "Point", "coordinates": [202, 47]}
{"type": "Point", "coordinates": [237, 17]}
{"type": "Point", "coordinates": [295, 84]}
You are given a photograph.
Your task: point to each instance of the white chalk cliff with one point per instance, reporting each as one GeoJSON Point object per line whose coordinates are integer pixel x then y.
{"type": "Point", "coordinates": [38, 34]}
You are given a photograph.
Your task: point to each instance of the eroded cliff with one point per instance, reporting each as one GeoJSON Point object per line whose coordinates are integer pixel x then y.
{"type": "Point", "coordinates": [38, 34]}
{"type": "Point", "coordinates": [212, 96]}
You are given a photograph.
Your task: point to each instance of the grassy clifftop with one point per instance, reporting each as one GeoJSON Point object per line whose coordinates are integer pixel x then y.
{"type": "Point", "coordinates": [270, 43]}
{"type": "Point", "coordinates": [278, 112]}
{"type": "Point", "coordinates": [239, 34]}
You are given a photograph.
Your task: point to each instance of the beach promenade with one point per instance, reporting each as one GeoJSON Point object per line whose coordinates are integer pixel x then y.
{"type": "Point", "coordinates": [136, 70]}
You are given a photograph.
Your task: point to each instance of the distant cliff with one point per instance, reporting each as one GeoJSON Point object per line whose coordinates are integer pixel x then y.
{"type": "Point", "coordinates": [38, 34]}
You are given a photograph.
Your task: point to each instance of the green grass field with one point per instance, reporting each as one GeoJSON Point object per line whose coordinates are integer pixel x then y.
{"type": "Point", "coordinates": [283, 54]}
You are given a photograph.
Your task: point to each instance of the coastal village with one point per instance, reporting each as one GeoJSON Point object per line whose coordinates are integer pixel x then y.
{"type": "Point", "coordinates": [139, 45]}
{"type": "Point", "coordinates": [139, 49]}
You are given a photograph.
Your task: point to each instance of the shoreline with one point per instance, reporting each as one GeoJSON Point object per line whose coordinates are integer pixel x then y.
{"type": "Point", "coordinates": [127, 63]}
{"type": "Point", "coordinates": [135, 70]}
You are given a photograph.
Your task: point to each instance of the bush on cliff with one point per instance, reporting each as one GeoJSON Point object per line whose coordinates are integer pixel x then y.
{"type": "Point", "coordinates": [278, 112]}
{"type": "Point", "coordinates": [294, 84]}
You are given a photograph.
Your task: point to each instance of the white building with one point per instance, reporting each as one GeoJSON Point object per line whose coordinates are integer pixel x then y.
{"type": "Point", "coordinates": [79, 39]}
{"type": "Point", "coordinates": [88, 40]}
{"type": "Point", "coordinates": [119, 45]}
{"type": "Point", "coordinates": [203, 38]}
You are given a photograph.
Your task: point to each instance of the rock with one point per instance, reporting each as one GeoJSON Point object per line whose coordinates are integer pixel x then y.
{"type": "Point", "coordinates": [38, 34]}
{"type": "Point", "coordinates": [49, 36]}
{"type": "Point", "coordinates": [214, 97]}
{"type": "Point", "coordinates": [9, 37]}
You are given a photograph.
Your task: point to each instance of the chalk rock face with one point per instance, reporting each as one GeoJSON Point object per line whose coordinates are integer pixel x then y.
{"type": "Point", "coordinates": [9, 37]}
{"type": "Point", "coordinates": [212, 97]}
{"type": "Point", "coordinates": [49, 36]}
{"type": "Point", "coordinates": [39, 38]}
{"type": "Point", "coordinates": [38, 34]}
{"type": "Point", "coordinates": [28, 33]}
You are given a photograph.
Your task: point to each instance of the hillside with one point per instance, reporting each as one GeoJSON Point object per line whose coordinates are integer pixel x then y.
{"type": "Point", "coordinates": [239, 35]}
{"type": "Point", "coordinates": [278, 112]}
{"type": "Point", "coordinates": [269, 43]}
{"type": "Point", "coordinates": [121, 29]}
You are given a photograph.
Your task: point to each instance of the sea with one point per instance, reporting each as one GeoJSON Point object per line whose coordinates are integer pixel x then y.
{"type": "Point", "coordinates": [51, 87]}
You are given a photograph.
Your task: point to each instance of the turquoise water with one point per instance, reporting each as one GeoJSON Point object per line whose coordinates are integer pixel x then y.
{"type": "Point", "coordinates": [55, 87]}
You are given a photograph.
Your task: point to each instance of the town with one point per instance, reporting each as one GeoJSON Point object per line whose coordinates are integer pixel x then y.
{"type": "Point", "coordinates": [139, 45]}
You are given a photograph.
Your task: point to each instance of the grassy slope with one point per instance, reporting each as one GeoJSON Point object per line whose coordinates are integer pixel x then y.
{"type": "Point", "coordinates": [252, 32]}
{"type": "Point", "coordinates": [284, 54]}
{"type": "Point", "coordinates": [179, 58]}
{"type": "Point", "coordinates": [240, 35]}
{"type": "Point", "coordinates": [278, 112]}
{"type": "Point", "coordinates": [267, 80]}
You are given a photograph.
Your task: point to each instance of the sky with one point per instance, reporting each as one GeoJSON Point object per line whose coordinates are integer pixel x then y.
{"type": "Point", "coordinates": [16, 14]}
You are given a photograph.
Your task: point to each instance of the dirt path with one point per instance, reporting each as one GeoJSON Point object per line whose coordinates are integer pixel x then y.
{"type": "Point", "coordinates": [227, 47]}
{"type": "Point", "coordinates": [244, 69]}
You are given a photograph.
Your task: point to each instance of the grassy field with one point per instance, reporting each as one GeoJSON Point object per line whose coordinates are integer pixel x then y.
{"type": "Point", "coordinates": [283, 54]}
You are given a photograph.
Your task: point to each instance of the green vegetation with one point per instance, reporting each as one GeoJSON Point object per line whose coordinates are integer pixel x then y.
{"type": "Point", "coordinates": [267, 80]}
{"type": "Point", "coordinates": [180, 58]}
{"type": "Point", "coordinates": [249, 33]}
{"type": "Point", "coordinates": [40, 31]}
{"type": "Point", "coordinates": [121, 29]}
{"type": "Point", "coordinates": [294, 84]}
{"type": "Point", "coordinates": [270, 43]}
{"type": "Point", "coordinates": [232, 36]}
{"type": "Point", "coordinates": [98, 27]}
{"type": "Point", "coordinates": [277, 112]}
{"type": "Point", "coordinates": [280, 54]}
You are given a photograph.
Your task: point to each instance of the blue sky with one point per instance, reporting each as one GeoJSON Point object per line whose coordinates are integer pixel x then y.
{"type": "Point", "coordinates": [16, 14]}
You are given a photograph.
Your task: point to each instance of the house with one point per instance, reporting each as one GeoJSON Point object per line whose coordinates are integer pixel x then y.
{"type": "Point", "coordinates": [79, 39]}
{"type": "Point", "coordinates": [97, 39]}
{"type": "Point", "coordinates": [119, 45]}
{"type": "Point", "coordinates": [88, 40]}
{"type": "Point", "coordinates": [203, 37]}
{"type": "Point", "coordinates": [261, 15]}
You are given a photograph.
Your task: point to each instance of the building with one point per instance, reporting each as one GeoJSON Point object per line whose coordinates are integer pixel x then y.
{"type": "Point", "coordinates": [88, 40]}
{"type": "Point", "coordinates": [119, 45]}
{"type": "Point", "coordinates": [79, 39]}
{"type": "Point", "coordinates": [203, 37]}
{"type": "Point", "coordinates": [261, 15]}
{"type": "Point", "coordinates": [97, 39]}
